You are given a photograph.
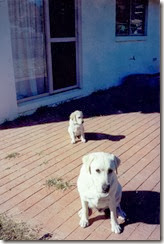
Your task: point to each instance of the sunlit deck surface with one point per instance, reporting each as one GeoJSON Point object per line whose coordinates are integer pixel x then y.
{"type": "Point", "coordinates": [30, 155]}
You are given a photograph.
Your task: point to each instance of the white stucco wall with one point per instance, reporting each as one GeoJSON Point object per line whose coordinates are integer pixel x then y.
{"type": "Point", "coordinates": [107, 58]}
{"type": "Point", "coordinates": [8, 104]}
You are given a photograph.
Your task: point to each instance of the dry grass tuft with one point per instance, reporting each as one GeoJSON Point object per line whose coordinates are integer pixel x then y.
{"type": "Point", "coordinates": [12, 155]}
{"type": "Point", "coordinates": [58, 183]}
{"type": "Point", "coordinates": [12, 231]}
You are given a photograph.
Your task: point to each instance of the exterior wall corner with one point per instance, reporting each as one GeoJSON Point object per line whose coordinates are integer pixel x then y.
{"type": "Point", "coordinates": [8, 102]}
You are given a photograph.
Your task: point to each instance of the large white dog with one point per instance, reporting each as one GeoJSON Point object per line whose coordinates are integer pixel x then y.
{"type": "Point", "coordinates": [76, 128]}
{"type": "Point", "coordinates": [99, 188]}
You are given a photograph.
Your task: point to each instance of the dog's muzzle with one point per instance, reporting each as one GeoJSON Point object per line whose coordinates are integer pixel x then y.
{"type": "Point", "coordinates": [105, 188]}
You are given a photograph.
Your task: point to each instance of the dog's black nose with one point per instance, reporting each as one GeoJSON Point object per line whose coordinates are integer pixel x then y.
{"type": "Point", "coordinates": [105, 188]}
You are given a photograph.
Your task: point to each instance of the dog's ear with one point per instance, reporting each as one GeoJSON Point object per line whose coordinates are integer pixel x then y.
{"type": "Point", "coordinates": [116, 162]}
{"type": "Point", "coordinates": [73, 116]}
{"type": "Point", "coordinates": [81, 114]}
{"type": "Point", "coordinates": [87, 160]}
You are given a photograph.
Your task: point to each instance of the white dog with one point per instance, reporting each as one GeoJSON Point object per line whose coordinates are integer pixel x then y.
{"type": "Point", "coordinates": [99, 188]}
{"type": "Point", "coordinates": [76, 128]}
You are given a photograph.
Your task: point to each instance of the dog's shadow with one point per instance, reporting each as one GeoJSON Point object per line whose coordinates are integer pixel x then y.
{"type": "Point", "coordinates": [91, 136]}
{"type": "Point", "coordinates": [139, 206]}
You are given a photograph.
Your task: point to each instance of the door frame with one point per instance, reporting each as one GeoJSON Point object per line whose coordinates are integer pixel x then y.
{"type": "Point", "coordinates": [78, 43]}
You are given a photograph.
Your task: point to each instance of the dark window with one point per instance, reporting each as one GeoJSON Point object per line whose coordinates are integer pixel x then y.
{"type": "Point", "coordinates": [131, 17]}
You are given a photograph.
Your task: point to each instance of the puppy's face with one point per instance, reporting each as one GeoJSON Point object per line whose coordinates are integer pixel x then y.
{"type": "Point", "coordinates": [101, 167]}
{"type": "Point", "coordinates": [77, 117]}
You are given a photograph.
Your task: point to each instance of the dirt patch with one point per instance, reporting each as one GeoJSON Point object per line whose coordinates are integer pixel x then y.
{"type": "Point", "coordinates": [12, 231]}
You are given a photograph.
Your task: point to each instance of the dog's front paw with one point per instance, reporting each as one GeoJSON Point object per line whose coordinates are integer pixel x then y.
{"type": "Point", "coordinates": [83, 140]}
{"type": "Point", "coordinates": [121, 214]}
{"type": "Point", "coordinates": [73, 141]}
{"type": "Point", "coordinates": [116, 228]}
{"type": "Point", "coordinates": [84, 223]}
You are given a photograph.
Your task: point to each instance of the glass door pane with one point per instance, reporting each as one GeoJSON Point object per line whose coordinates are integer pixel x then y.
{"type": "Point", "coordinates": [28, 47]}
{"type": "Point", "coordinates": [62, 18]}
{"type": "Point", "coordinates": [63, 43]}
{"type": "Point", "coordinates": [63, 64]}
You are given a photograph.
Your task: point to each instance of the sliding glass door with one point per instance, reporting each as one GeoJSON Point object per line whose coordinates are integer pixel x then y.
{"type": "Point", "coordinates": [62, 42]}
{"type": "Point", "coordinates": [45, 46]}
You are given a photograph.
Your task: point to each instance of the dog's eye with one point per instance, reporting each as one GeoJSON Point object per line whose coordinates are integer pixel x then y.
{"type": "Point", "coordinates": [98, 171]}
{"type": "Point", "coordinates": [110, 171]}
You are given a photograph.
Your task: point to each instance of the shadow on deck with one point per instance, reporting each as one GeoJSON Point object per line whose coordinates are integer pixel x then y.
{"type": "Point", "coordinates": [139, 206]}
{"type": "Point", "coordinates": [138, 93]}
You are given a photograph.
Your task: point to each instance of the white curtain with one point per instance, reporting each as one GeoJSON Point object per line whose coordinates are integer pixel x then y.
{"type": "Point", "coordinates": [28, 46]}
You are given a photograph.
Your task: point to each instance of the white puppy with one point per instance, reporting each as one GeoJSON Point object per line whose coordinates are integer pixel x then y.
{"type": "Point", "coordinates": [76, 128]}
{"type": "Point", "coordinates": [99, 188]}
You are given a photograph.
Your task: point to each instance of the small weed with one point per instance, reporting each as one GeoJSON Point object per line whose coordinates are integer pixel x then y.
{"type": "Point", "coordinates": [12, 155]}
{"type": "Point", "coordinates": [44, 162]}
{"type": "Point", "coordinates": [39, 153]}
{"type": "Point", "coordinates": [59, 184]}
{"type": "Point", "coordinates": [7, 168]}
{"type": "Point", "coordinates": [12, 231]}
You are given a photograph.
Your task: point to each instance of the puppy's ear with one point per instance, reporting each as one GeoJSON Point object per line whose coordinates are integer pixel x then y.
{"type": "Point", "coordinates": [73, 116]}
{"type": "Point", "coordinates": [116, 162]}
{"type": "Point", "coordinates": [87, 160]}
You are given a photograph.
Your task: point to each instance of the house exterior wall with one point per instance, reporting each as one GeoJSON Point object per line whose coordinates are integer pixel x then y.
{"type": "Point", "coordinates": [105, 59]}
{"type": "Point", "coordinates": [8, 103]}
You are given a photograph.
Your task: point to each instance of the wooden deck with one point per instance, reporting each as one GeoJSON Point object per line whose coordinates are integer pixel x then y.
{"type": "Point", "coordinates": [44, 151]}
